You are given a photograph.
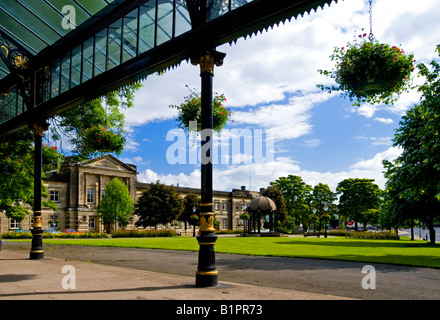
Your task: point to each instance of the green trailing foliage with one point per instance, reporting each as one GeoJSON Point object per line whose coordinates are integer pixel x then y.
{"type": "Point", "coordinates": [370, 71]}
{"type": "Point", "coordinates": [191, 110]}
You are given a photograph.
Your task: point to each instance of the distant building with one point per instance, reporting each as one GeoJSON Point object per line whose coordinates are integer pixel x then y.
{"type": "Point", "coordinates": [77, 189]}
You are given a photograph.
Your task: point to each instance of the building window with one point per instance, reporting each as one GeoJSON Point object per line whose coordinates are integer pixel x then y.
{"type": "Point", "coordinates": [225, 225]}
{"type": "Point", "coordinates": [92, 223]}
{"type": "Point", "coordinates": [225, 206]}
{"type": "Point", "coordinates": [216, 206]}
{"type": "Point", "coordinates": [14, 224]}
{"type": "Point", "coordinates": [237, 206]}
{"type": "Point", "coordinates": [90, 195]}
{"type": "Point", "coordinates": [54, 221]}
{"type": "Point", "coordinates": [54, 196]}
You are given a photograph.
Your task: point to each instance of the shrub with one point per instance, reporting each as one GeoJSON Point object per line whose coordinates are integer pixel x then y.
{"type": "Point", "coordinates": [228, 231]}
{"type": "Point", "coordinates": [143, 234]}
{"type": "Point", "coordinates": [383, 235]}
{"type": "Point", "coordinates": [16, 235]}
{"type": "Point", "coordinates": [46, 235]}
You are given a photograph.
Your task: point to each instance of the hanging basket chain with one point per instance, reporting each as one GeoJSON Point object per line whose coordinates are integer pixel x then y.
{"type": "Point", "coordinates": [371, 36]}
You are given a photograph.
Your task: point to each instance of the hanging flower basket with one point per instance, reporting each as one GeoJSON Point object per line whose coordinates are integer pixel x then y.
{"type": "Point", "coordinates": [52, 159]}
{"type": "Point", "coordinates": [370, 71]}
{"type": "Point", "coordinates": [191, 110]}
{"type": "Point", "coordinates": [9, 165]}
{"type": "Point", "coordinates": [104, 139]}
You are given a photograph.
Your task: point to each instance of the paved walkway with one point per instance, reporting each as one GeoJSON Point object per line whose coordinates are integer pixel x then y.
{"type": "Point", "coordinates": [128, 273]}
{"type": "Point", "coordinates": [22, 278]}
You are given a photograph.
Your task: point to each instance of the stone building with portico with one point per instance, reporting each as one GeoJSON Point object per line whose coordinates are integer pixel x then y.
{"type": "Point", "coordinates": [78, 187]}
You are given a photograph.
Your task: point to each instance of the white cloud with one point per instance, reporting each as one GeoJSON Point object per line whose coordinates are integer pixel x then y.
{"type": "Point", "coordinates": [260, 175]}
{"type": "Point", "coordinates": [290, 120]}
{"type": "Point", "coordinates": [384, 120]}
{"type": "Point", "coordinates": [377, 141]}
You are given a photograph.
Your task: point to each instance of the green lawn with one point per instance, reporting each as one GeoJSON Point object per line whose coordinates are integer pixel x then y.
{"type": "Point", "coordinates": [403, 252]}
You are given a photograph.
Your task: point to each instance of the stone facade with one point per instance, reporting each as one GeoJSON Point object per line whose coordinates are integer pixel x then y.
{"type": "Point", "coordinates": [78, 187]}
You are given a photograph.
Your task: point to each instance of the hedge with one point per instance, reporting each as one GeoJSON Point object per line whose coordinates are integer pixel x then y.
{"type": "Point", "coordinates": [28, 235]}
{"type": "Point", "coordinates": [144, 233]}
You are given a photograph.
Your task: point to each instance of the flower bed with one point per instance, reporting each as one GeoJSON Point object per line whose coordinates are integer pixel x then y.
{"type": "Point", "coordinates": [28, 235]}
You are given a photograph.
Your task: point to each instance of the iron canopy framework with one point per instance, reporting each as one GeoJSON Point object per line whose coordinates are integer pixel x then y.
{"type": "Point", "coordinates": [46, 68]}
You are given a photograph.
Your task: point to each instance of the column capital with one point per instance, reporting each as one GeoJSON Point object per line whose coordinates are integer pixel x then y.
{"type": "Point", "coordinates": [39, 128]}
{"type": "Point", "coordinates": [207, 60]}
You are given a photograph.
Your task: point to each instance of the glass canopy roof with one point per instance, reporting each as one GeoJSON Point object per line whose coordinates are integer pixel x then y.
{"type": "Point", "coordinates": [33, 25]}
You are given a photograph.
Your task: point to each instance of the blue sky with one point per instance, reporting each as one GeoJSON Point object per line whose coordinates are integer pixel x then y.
{"type": "Point", "coordinates": [270, 84]}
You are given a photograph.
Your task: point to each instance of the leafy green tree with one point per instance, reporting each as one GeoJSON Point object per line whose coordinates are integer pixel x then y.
{"type": "Point", "coordinates": [276, 195]}
{"type": "Point", "coordinates": [297, 198]}
{"type": "Point", "coordinates": [322, 197]}
{"type": "Point", "coordinates": [116, 205]}
{"type": "Point", "coordinates": [76, 124]}
{"type": "Point", "coordinates": [17, 175]}
{"type": "Point", "coordinates": [413, 185]}
{"type": "Point", "coordinates": [159, 204]}
{"type": "Point", "coordinates": [357, 197]}
{"type": "Point", "coordinates": [190, 202]}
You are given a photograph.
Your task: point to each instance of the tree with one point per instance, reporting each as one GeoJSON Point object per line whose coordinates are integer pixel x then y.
{"type": "Point", "coordinates": [413, 185]}
{"type": "Point", "coordinates": [159, 204]}
{"type": "Point", "coordinates": [17, 149]}
{"type": "Point", "coordinates": [116, 205]}
{"type": "Point", "coordinates": [79, 124]}
{"type": "Point", "coordinates": [16, 175]}
{"type": "Point", "coordinates": [276, 195]}
{"type": "Point", "coordinates": [297, 198]}
{"type": "Point", "coordinates": [322, 197]}
{"type": "Point", "coordinates": [357, 197]}
{"type": "Point", "coordinates": [190, 202]}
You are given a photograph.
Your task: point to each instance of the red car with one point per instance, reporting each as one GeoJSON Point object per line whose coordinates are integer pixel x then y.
{"type": "Point", "coordinates": [71, 231]}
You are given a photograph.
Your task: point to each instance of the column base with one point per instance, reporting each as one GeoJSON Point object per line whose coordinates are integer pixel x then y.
{"type": "Point", "coordinates": [37, 251]}
{"type": "Point", "coordinates": [206, 279]}
{"type": "Point", "coordinates": [36, 255]}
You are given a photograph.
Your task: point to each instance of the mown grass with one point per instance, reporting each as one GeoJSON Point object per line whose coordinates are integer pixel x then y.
{"type": "Point", "coordinates": [402, 252]}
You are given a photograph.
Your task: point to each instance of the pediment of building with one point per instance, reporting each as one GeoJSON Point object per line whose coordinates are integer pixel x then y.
{"type": "Point", "coordinates": [108, 162]}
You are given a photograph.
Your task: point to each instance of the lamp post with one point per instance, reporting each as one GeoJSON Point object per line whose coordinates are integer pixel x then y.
{"type": "Point", "coordinates": [207, 275]}
{"type": "Point", "coordinates": [194, 223]}
{"type": "Point", "coordinates": [325, 220]}
{"type": "Point", "coordinates": [314, 223]}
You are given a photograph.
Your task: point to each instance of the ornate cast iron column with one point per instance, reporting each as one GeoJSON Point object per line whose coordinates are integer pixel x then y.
{"type": "Point", "coordinates": [207, 275]}
{"type": "Point", "coordinates": [37, 251]}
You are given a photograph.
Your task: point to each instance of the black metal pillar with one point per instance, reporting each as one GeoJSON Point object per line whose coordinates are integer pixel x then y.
{"type": "Point", "coordinates": [207, 275]}
{"type": "Point", "coordinates": [37, 251]}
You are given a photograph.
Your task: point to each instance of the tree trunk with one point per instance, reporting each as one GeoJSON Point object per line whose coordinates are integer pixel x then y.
{"type": "Point", "coordinates": [431, 231]}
